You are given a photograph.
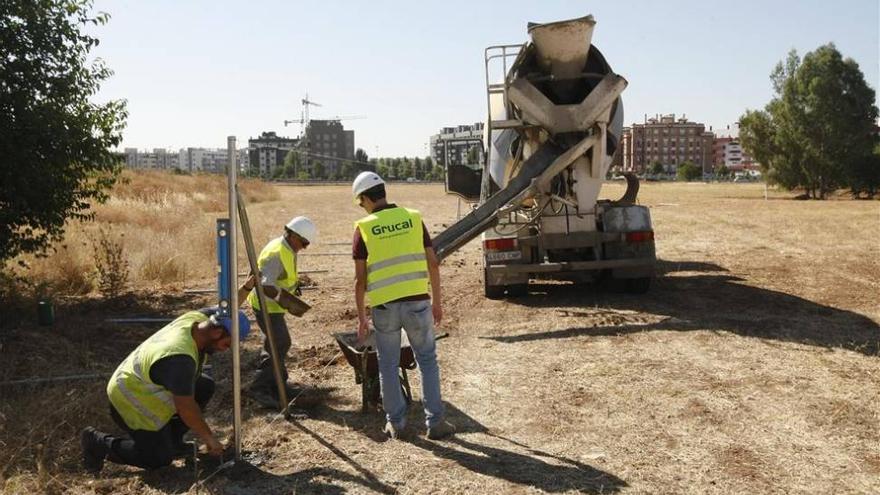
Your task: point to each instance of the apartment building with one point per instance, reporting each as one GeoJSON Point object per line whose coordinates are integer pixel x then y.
{"type": "Point", "coordinates": [328, 143]}
{"type": "Point", "coordinates": [267, 152]}
{"type": "Point", "coordinates": [666, 140]}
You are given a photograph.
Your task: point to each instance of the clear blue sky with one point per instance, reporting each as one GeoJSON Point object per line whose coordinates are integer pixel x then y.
{"type": "Point", "coordinates": [194, 72]}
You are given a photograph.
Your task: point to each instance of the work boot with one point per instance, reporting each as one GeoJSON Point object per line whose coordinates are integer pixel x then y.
{"type": "Point", "coordinates": [94, 450]}
{"type": "Point", "coordinates": [393, 431]}
{"type": "Point", "coordinates": [441, 430]}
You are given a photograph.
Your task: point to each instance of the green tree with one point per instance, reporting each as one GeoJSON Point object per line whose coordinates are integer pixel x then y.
{"type": "Point", "coordinates": [348, 170]}
{"type": "Point", "coordinates": [656, 168]}
{"type": "Point", "coordinates": [318, 171]}
{"type": "Point", "coordinates": [293, 162]}
{"type": "Point", "coordinates": [361, 156]}
{"type": "Point", "coordinates": [418, 168]}
{"type": "Point", "coordinates": [722, 171]}
{"type": "Point", "coordinates": [55, 143]}
{"type": "Point", "coordinates": [689, 172]}
{"type": "Point", "coordinates": [382, 167]}
{"type": "Point", "coordinates": [864, 175]}
{"type": "Point", "coordinates": [817, 131]}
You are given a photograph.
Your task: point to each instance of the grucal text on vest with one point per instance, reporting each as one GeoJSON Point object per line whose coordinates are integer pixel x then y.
{"type": "Point", "coordinates": [382, 229]}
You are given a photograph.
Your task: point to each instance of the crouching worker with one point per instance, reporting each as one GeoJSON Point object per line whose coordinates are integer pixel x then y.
{"type": "Point", "coordinates": [159, 393]}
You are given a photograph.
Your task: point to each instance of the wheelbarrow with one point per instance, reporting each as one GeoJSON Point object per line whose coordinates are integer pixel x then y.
{"type": "Point", "coordinates": [364, 360]}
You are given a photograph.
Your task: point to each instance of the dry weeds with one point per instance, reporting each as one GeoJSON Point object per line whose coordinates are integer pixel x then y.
{"type": "Point", "coordinates": [167, 221]}
{"type": "Point", "coordinates": [751, 366]}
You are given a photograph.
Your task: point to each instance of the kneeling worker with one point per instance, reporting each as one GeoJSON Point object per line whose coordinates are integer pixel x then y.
{"type": "Point", "coordinates": [159, 393]}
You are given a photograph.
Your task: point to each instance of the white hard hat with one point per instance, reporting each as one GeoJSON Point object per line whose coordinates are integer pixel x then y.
{"type": "Point", "coordinates": [364, 181]}
{"type": "Point", "coordinates": [304, 227]}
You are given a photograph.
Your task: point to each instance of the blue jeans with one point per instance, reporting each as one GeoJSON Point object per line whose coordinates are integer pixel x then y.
{"type": "Point", "coordinates": [417, 320]}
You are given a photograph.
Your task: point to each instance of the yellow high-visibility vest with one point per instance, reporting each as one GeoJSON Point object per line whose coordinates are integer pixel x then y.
{"type": "Point", "coordinates": [277, 247]}
{"type": "Point", "coordinates": [396, 262]}
{"type": "Point", "coordinates": [145, 405]}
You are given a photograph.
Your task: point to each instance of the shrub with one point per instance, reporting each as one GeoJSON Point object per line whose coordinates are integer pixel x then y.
{"type": "Point", "coordinates": [110, 264]}
{"type": "Point", "coordinates": [688, 171]}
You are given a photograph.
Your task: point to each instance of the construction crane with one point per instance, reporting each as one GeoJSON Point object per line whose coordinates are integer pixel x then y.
{"type": "Point", "coordinates": [305, 120]}
{"type": "Point", "coordinates": [306, 103]}
{"type": "Point", "coordinates": [335, 117]}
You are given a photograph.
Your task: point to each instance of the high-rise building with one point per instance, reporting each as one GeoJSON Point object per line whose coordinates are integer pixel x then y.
{"type": "Point", "coordinates": [668, 141]}
{"type": "Point", "coordinates": [329, 144]}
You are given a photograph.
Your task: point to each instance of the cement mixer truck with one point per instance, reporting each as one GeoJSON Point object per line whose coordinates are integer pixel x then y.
{"type": "Point", "coordinates": [555, 119]}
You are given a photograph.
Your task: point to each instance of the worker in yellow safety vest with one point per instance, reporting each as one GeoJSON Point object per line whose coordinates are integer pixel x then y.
{"type": "Point", "coordinates": [397, 272]}
{"type": "Point", "coordinates": [160, 392]}
{"type": "Point", "coordinates": [277, 265]}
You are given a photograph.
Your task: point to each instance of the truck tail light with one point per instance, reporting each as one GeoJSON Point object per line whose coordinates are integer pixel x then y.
{"type": "Point", "coordinates": [646, 236]}
{"type": "Point", "coordinates": [500, 244]}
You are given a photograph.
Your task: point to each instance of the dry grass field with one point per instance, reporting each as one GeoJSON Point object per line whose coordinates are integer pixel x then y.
{"type": "Point", "coordinates": [751, 366]}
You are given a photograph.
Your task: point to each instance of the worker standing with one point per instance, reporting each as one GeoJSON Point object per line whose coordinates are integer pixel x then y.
{"type": "Point", "coordinates": [394, 262]}
{"type": "Point", "coordinates": [278, 274]}
{"type": "Point", "coordinates": [159, 392]}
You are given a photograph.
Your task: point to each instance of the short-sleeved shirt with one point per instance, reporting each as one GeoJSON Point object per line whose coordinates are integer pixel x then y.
{"type": "Point", "coordinates": [272, 269]}
{"type": "Point", "coordinates": [178, 373]}
{"type": "Point", "coordinates": [359, 250]}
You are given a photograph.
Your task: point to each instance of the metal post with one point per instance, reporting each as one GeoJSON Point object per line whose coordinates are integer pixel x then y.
{"type": "Point", "coordinates": [233, 294]}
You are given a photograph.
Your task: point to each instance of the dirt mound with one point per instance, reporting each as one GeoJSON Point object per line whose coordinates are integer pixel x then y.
{"type": "Point", "coordinates": [316, 358]}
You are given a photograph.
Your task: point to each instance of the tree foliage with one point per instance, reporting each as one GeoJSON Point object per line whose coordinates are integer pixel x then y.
{"type": "Point", "coordinates": [361, 156]}
{"type": "Point", "coordinates": [404, 168]}
{"type": "Point", "coordinates": [55, 144]}
{"type": "Point", "coordinates": [688, 171]}
{"type": "Point", "coordinates": [817, 133]}
{"type": "Point", "coordinates": [656, 168]}
{"type": "Point", "coordinates": [318, 171]}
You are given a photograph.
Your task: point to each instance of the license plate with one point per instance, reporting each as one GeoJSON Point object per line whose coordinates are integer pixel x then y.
{"type": "Point", "coordinates": [504, 256]}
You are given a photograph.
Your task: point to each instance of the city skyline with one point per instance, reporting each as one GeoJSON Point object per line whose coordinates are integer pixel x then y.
{"type": "Point", "coordinates": [193, 76]}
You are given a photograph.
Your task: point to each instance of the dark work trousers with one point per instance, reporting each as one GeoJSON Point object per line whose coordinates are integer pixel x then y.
{"type": "Point", "coordinates": [154, 449]}
{"type": "Point", "coordinates": [265, 379]}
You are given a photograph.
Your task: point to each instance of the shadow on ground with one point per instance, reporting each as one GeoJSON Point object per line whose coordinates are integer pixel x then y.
{"type": "Point", "coordinates": [701, 296]}
{"type": "Point", "coordinates": [518, 464]}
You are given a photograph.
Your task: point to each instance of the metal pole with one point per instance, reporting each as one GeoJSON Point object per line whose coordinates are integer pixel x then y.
{"type": "Point", "coordinates": [233, 294]}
